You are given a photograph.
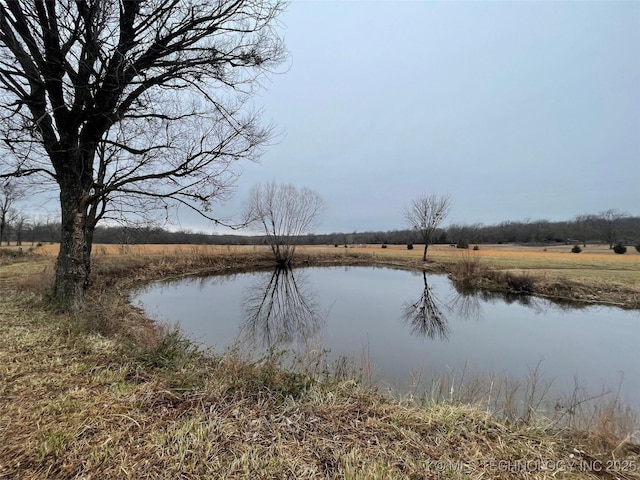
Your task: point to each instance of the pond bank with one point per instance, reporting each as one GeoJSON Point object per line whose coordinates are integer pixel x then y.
{"type": "Point", "coordinates": [103, 395]}
{"type": "Point", "coordinates": [106, 395]}
{"type": "Point", "coordinates": [598, 277]}
{"type": "Point", "coordinates": [468, 271]}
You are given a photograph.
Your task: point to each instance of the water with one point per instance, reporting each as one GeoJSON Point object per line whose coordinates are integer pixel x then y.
{"type": "Point", "coordinates": [412, 326]}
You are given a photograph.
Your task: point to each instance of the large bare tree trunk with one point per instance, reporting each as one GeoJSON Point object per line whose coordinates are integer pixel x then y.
{"type": "Point", "coordinates": [73, 266]}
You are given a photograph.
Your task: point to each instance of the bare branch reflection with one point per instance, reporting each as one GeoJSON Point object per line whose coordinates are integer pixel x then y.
{"type": "Point", "coordinates": [425, 317]}
{"type": "Point", "coordinates": [279, 309]}
{"type": "Point", "coordinates": [466, 303]}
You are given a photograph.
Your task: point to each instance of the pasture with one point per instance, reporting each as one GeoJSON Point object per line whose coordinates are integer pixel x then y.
{"type": "Point", "coordinates": [596, 265]}
{"type": "Point", "coordinates": [596, 275]}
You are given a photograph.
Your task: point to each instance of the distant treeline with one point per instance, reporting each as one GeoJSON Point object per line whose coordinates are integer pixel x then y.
{"type": "Point", "coordinates": [587, 229]}
{"type": "Point", "coordinates": [582, 230]}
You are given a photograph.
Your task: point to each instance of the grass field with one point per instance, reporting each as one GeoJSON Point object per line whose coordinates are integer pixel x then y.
{"type": "Point", "coordinates": [596, 274]}
{"type": "Point", "coordinates": [593, 261]}
{"type": "Point", "coordinates": [107, 394]}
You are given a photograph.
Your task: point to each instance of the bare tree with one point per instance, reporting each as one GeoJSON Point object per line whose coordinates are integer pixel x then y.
{"type": "Point", "coordinates": [608, 222]}
{"type": "Point", "coordinates": [424, 214]}
{"type": "Point", "coordinates": [580, 223]}
{"type": "Point", "coordinates": [130, 104]}
{"type": "Point", "coordinates": [20, 222]}
{"type": "Point", "coordinates": [283, 212]}
{"type": "Point", "coordinates": [10, 193]}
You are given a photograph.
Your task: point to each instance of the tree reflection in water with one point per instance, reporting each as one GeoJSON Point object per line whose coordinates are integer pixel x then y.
{"type": "Point", "coordinates": [425, 317]}
{"type": "Point", "coordinates": [279, 309]}
{"type": "Point", "coordinates": [465, 302]}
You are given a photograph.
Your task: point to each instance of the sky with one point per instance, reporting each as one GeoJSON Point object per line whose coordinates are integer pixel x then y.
{"type": "Point", "coordinates": [517, 110]}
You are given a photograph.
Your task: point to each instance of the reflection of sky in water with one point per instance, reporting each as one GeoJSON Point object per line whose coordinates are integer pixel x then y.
{"type": "Point", "coordinates": [362, 308]}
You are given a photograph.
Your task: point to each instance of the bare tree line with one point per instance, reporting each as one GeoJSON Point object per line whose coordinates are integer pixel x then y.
{"type": "Point", "coordinates": [535, 232]}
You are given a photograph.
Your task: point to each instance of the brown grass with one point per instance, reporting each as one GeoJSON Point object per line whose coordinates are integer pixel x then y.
{"type": "Point", "coordinates": [108, 395]}
{"type": "Point", "coordinates": [597, 275]}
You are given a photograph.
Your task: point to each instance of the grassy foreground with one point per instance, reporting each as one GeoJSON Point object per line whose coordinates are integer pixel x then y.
{"type": "Point", "coordinates": [107, 394]}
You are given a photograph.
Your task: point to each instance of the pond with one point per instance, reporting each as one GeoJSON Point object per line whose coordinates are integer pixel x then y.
{"type": "Point", "coordinates": [415, 329]}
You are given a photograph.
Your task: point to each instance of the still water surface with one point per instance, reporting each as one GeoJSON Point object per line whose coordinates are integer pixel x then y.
{"type": "Point", "coordinates": [411, 325]}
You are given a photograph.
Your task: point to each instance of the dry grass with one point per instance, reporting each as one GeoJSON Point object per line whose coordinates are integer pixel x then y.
{"type": "Point", "coordinates": [101, 249]}
{"type": "Point", "coordinates": [599, 258]}
{"type": "Point", "coordinates": [597, 275]}
{"type": "Point", "coordinates": [107, 395]}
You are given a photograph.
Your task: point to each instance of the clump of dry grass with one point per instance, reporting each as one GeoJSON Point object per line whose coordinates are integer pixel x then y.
{"type": "Point", "coordinates": [529, 401]}
{"type": "Point", "coordinates": [472, 271]}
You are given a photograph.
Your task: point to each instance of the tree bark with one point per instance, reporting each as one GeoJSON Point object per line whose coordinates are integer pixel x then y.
{"type": "Point", "coordinates": [424, 255]}
{"type": "Point", "coordinates": [2, 228]}
{"type": "Point", "coordinates": [73, 266]}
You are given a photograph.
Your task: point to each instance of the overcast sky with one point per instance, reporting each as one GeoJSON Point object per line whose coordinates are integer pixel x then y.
{"type": "Point", "coordinates": [518, 110]}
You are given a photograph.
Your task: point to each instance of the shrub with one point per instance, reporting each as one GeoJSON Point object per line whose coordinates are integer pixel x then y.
{"type": "Point", "coordinates": [476, 247]}
{"type": "Point", "coordinates": [384, 245]}
{"type": "Point", "coordinates": [462, 244]}
{"type": "Point", "coordinates": [467, 267]}
{"type": "Point", "coordinates": [576, 249]}
{"type": "Point", "coordinates": [520, 283]}
{"type": "Point", "coordinates": [11, 253]}
{"type": "Point", "coordinates": [638, 247]}
{"type": "Point", "coordinates": [619, 248]}
{"type": "Point", "coordinates": [410, 246]}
